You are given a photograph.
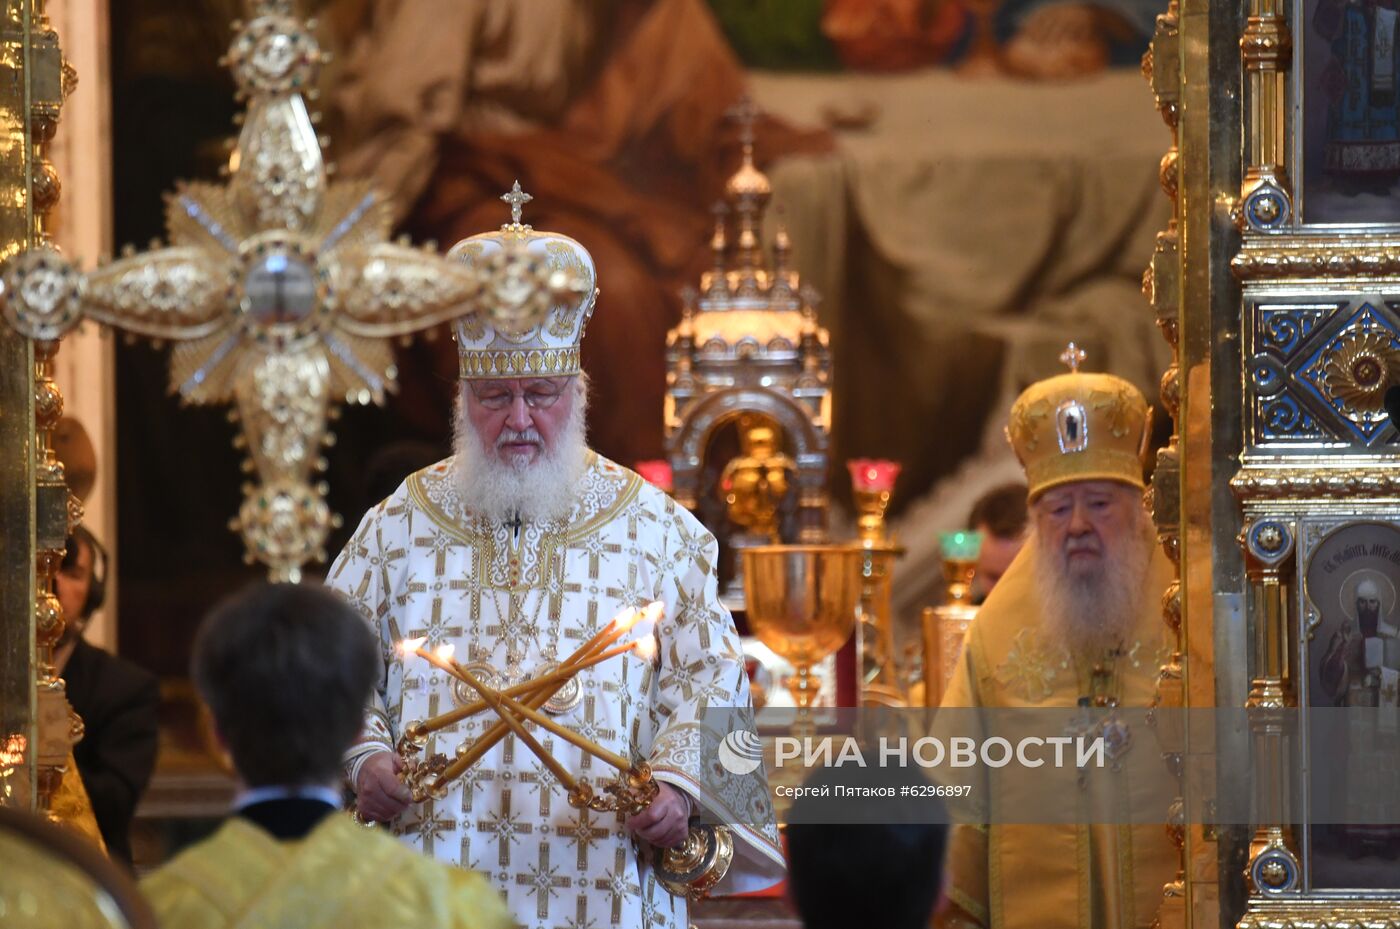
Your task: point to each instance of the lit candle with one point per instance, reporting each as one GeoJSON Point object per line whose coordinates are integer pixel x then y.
{"type": "Point", "coordinates": [610, 633]}
{"type": "Point", "coordinates": [505, 705]}
{"type": "Point", "coordinates": [559, 675]}
{"type": "Point", "coordinates": [646, 648]}
{"type": "Point", "coordinates": [624, 623]}
{"type": "Point", "coordinates": [444, 661]}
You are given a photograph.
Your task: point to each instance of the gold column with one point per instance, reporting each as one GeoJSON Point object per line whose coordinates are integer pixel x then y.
{"type": "Point", "coordinates": [17, 710]}
{"type": "Point", "coordinates": [1213, 584]}
{"type": "Point", "coordinates": [59, 727]}
{"type": "Point", "coordinates": [1267, 49]}
{"type": "Point", "coordinates": [35, 731]}
{"type": "Point", "coordinates": [1273, 861]}
{"type": "Point", "coordinates": [1162, 286]}
{"type": "Point", "coordinates": [56, 511]}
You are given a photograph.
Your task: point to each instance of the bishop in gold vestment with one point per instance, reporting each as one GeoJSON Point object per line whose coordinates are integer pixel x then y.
{"type": "Point", "coordinates": [516, 551]}
{"type": "Point", "coordinates": [1075, 621]}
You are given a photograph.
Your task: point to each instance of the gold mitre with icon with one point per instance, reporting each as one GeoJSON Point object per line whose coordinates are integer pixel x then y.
{"type": "Point", "coordinates": [527, 330]}
{"type": "Point", "coordinates": [1080, 427]}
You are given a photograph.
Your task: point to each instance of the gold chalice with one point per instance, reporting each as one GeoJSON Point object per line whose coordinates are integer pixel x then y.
{"type": "Point", "coordinates": [801, 603]}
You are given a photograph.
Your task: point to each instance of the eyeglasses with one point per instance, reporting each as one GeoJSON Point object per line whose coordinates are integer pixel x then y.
{"type": "Point", "coordinates": [497, 399]}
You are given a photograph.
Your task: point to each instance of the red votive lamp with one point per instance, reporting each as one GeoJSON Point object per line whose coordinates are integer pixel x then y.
{"type": "Point", "coordinates": [873, 474]}
{"type": "Point", "coordinates": [657, 471]}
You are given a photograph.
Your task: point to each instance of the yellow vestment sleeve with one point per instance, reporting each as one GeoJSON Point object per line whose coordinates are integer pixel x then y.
{"type": "Point", "coordinates": [966, 862]}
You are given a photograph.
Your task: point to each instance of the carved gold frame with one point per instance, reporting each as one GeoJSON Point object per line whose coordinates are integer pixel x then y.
{"type": "Point", "coordinates": [1313, 305]}
{"type": "Point", "coordinates": [36, 727]}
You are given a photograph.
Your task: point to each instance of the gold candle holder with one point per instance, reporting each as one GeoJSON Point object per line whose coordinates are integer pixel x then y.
{"type": "Point", "coordinates": [872, 481]}
{"type": "Point", "coordinates": [944, 627]}
{"type": "Point", "coordinates": [872, 484]}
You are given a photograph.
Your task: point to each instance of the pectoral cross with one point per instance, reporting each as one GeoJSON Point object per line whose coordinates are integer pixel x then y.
{"type": "Point", "coordinates": [514, 523]}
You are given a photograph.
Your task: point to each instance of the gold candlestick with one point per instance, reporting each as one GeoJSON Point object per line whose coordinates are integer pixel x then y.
{"type": "Point", "coordinates": [877, 668]}
{"type": "Point", "coordinates": [872, 483]}
{"type": "Point", "coordinates": [944, 626]}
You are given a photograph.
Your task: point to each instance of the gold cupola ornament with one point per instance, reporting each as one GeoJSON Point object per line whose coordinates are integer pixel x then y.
{"type": "Point", "coordinates": [1080, 427]}
{"type": "Point", "coordinates": [526, 331]}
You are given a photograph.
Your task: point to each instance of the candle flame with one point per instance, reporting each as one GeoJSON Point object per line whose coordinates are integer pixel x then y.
{"type": "Point", "coordinates": [645, 648]}
{"type": "Point", "coordinates": [445, 652]}
{"type": "Point", "coordinates": [409, 646]}
{"type": "Point", "coordinates": [627, 619]}
{"type": "Point", "coordinates": [12, 752]}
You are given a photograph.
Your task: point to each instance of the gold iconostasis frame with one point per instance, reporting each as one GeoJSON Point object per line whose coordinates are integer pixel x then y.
{"type": "Point", "coordinates": [1278, 287]}
{"type": "Point", "coordinates": [34, 506]}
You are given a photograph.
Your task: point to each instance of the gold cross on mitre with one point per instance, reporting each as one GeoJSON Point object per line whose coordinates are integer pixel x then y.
{"type": "Point", "coordinates": [278, 289]}
{"type": "Point", "coordinates": [1072, 357]}
{"type": "Point", "coordinates": [516, 198]}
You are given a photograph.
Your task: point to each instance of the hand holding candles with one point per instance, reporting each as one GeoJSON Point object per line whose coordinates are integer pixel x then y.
{"type": "Point", "coordinates": [591, 652]}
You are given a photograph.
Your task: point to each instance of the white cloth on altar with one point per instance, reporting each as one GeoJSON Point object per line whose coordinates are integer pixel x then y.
{"type": "Point", "coordinates": [421, 565]}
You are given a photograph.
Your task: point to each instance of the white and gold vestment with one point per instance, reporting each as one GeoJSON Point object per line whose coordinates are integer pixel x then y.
{"type": "Point", "coordinates": [513, 599]}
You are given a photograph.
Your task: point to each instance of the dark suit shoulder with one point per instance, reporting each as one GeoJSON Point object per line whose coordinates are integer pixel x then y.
{"type": "Point", "coordinates": [98, 676]}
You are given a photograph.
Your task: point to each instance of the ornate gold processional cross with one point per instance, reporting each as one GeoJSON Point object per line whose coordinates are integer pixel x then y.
{"type": "Point", "coordinates": [279, 291]}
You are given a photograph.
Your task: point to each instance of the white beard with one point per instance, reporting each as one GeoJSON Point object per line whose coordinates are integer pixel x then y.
{"type": "Point", "coordinates": [1093, 610]}
{"type": "Point", "coordinates": [539, 491]}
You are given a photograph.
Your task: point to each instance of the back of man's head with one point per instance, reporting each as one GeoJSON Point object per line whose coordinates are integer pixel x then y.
{"type": "Point", "coordinates": [1001, 511]}
{"type": "Point", "coordinates": [286, 670]}
{"type": "Point", "coordinates": [872, 873]}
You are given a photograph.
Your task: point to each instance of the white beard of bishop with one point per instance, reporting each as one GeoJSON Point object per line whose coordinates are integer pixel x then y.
{"type": "Point", "coordinates": [1094, 610]}
{"type": "Point", "coordinates": [538, 491]}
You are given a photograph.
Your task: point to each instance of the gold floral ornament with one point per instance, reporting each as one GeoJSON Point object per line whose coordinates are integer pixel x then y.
{"type": "Point", "coordinates": [1028, 669]}
{"type": "Point", "coordinates": [1357, 372]}
{"type": "Point", "coordinates": [278, 289]}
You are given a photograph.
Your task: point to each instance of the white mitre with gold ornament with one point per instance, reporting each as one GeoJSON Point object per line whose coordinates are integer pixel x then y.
{"type": "Point", "coordinates": [524, 330]}
{"type": "Point", "coordinates": [1080, 427]}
